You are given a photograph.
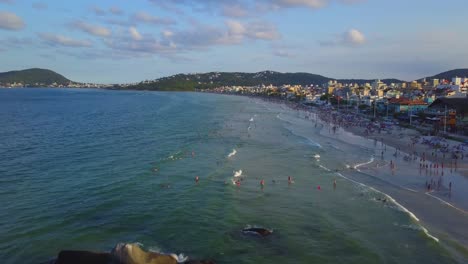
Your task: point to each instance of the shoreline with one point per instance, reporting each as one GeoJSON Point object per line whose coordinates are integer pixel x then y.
{"type": "Point", "coordinates": [440, 220]}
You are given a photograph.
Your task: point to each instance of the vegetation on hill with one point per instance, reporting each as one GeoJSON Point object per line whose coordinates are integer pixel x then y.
{"type": "Point", "coordinates": [199, 81]}
{"type": "Point", "coordinates": [448, 75]}
{"type": "Point", "coordinates": [33, 76]}
{"type": "Point", "coordinates": [191, 82]}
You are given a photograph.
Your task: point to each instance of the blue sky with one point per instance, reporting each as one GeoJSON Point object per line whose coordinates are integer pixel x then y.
{"type": "Point", "coordinates": [132, 40]}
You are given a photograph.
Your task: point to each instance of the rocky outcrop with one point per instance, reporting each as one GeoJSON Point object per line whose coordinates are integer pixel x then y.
{"type": "Point", "coordinates": [122, 254]}
{"type": "Point", "coordinates": [133, 254]}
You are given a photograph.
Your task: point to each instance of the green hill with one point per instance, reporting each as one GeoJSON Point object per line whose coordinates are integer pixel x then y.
{"type": "Point", "coordinates": [450, 74]}
{"type": "Point", "coordinates": [33, 76]}
{"type": "Point", "coordinates": [191, 82]}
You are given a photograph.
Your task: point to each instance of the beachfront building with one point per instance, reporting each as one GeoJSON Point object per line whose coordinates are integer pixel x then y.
{"type": "Point", "coordinates": [453, 113]}
{"type": "Point", "coordinates": [404, 105]}
{"type": "Point", "coordinates": [459, 105]}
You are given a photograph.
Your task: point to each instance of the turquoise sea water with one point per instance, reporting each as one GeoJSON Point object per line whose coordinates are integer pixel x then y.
{"type": "Point", "coordinates": [87, 169]}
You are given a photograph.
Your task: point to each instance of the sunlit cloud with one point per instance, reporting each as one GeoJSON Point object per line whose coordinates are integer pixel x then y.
{"type": "Point", "coordinates": [10, 21]}
{"type": "Point", "coordinates": [59, 40]}
{"type": "Point", "coordinates": [352, 37]}
{"type": "Point", "coordinates": [95, 30]}
{"type": "Point", "coordinates": [135, 34]}
{"type": "Point", "coordinates": [144, 17]}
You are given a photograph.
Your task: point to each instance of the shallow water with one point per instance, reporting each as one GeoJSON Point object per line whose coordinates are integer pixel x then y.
{"type": "Point", "coordinates": [87, 169]}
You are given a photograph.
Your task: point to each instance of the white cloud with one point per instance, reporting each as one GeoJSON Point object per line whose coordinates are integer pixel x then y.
{"type": "Point", "coordinates": [135, 34]}
{"type": "Point", "coordinates": [98, 11]}
{"type": "Point", "coordinates": [235, 27]}
{"type": "Point", "coordinates": [238, 31]}
{"type": "Point", "coordinates": [234, 32]}
{"type": "Point", "coordinates": [144, 17]}
{"type": "Point", "coordinates": [92, 29]}
{"type": "Point", "coordinates": [296, 3]}
{"type": "Point", "coordinates": [234, 10]}
{"type": "Point", "coordinates": [59, 40]}
{"type": "Point", "coordinates": [167, 33]}
{"type": "Point", "coordinates": [175, 42]}
{"type": "Point", "coordinates": [261, 30]}
{"type": "Point", "coordinates": [354, 37]}
{"type": "Point", "coordinates": [10, 21]}
{"type": "Point", "coordinates": [283, 53]}
{"type": "Point", "coordinates": [148, 45]}
{"type": "Point", "coordinates": [242, 8]}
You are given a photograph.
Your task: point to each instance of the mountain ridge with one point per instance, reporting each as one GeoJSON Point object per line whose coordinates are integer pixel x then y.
{"type": "Point", "coordinates": [33, 76]}
{"type": "Point", "coordinates": [196, 81]}
{"type": "Point", "coordinates": [449, 74]}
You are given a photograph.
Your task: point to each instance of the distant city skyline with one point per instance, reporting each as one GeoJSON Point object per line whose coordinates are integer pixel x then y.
{"type": "Point", "coordinates": [129, 41]}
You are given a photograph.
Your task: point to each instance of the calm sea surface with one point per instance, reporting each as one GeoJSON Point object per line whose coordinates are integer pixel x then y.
{"type": "Point", "coordinates": [87, 169]}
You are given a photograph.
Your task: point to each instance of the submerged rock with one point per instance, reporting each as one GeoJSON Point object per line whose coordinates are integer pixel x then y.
{"type": "Point", "coordinates": [258, 231]}
{"type": "Point", "coordinates": [79, 257]}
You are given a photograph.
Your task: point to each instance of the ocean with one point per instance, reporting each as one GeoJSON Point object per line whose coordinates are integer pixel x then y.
{"type": "Point", "coordinates": [86, 169]}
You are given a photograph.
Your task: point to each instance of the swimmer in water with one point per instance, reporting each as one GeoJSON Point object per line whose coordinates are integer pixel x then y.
{"type": "Point", "coordinates": [197, 179]}
{"type": "Point", "coordinates": [262, 182]}
{"type": "Point", "coordinates": [334, 184]}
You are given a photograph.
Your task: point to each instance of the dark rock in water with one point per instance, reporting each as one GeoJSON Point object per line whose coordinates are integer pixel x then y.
{"type": "Point", "coordinates": [257, 230]}
{"type": "Point", "coordinates": [200, 262]}
{"type": "Point", "coordinates": [81, 257]}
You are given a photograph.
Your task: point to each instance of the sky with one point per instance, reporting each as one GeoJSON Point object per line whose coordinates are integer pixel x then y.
{"type": "Point", "coordinates": [124, 41]}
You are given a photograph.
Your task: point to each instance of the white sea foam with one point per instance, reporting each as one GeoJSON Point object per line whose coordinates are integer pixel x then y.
{"type": "Point", "coordinates": [363, 164]}
{"type": "Point", "coordinates": [317, 156]}
{"type": "Point", "coordinates": [251, 119]}
{"type": "Point", "coordinates": [237, 173]}
{"type": "Point", "coordinates": [232, 154]}
{"type": "Point", "coordinates": [399, 206]}
{"type": "Point", "coordinates": [181, 258]}
{"type": "Point", "coordinates": [323, 167]}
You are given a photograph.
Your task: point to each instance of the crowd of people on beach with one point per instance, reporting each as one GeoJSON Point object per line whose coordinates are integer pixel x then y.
{"type": "Point", "coordinates": [443, 155]}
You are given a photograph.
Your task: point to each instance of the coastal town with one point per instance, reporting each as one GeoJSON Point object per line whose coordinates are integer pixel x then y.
{"type": "Point", "coordinates": [436, 106]}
